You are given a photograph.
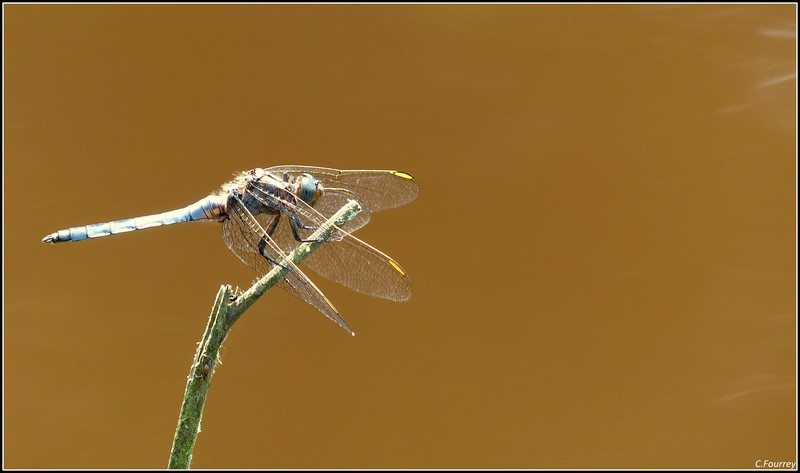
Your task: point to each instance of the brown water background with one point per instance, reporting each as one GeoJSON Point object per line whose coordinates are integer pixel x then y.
{"type": "Point", "coordinates": [603, 251]}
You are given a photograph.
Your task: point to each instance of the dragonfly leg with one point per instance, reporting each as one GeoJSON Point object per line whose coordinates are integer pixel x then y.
{"type": "Point", "coordinates": [273, 225]}
{"type": "Point", "coordinates": [262, 242]}
{"type": "Point", "coordinates": [262, 246]}
{"type": "Point", "coordinates": [297, 224]}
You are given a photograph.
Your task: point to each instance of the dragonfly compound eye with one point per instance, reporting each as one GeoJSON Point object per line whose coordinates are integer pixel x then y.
{"type": "Point", "coordinates": [308, 189]}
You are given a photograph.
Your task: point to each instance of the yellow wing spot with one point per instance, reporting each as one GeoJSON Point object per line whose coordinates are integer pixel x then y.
{"type": "Point", "coordinates": [403, 175]}
{"type": "Point", "coordinates": [330, 304]}
{"type": "Point", "coordinates": [397, 267]}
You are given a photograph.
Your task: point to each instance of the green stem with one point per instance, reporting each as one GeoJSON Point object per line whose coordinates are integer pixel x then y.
{"type": "Point", "coordinates": [225, 312]}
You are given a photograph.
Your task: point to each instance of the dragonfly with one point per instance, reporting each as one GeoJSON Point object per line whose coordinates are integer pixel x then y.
{"type": "Point", "coordinates": [266, 212]}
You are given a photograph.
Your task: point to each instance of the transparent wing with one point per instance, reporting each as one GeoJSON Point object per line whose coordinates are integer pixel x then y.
{"type": "Point", "coordinates": [376, 190]}
{"type": "Point", "coordinates": [344, 258]}
{"type": "Point", "coordinates": [246, 237]}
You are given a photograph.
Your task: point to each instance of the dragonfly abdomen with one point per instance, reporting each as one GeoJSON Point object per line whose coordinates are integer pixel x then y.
{"type": "Point", "coordinates": [212, 207]}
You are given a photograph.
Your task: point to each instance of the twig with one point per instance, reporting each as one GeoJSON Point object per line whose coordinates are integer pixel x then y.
{"type": "Point", "coordinates": [223, 314]}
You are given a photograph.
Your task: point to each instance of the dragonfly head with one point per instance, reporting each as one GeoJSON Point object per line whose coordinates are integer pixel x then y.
{"type": "Point", "coordinates": [308, 189]}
